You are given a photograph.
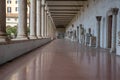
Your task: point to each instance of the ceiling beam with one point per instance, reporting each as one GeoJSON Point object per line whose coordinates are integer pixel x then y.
{"type": "Point", "coordinates": [64, 9]}
{"type": "Point", "coordinates": [65, 5]}
{"type": "Point", "coordinates": [61, 21]}
{"type": "Point", "coordinates": [66, 0]}
{"type": "Point", "coordinates": [63, 12]}
{"type": "Point", "coordinates": [63, 18]}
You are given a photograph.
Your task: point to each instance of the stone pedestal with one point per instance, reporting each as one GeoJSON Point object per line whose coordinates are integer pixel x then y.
{"type": "Point", "coordinates": [98, 31]}
{"type": "Point", "coordinates": [92, 41]}
{"type": "Point", "coordinates": [114, 26]}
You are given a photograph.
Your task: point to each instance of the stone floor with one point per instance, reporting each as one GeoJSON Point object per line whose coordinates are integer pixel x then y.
{"type": "Point", "coordinates": [63, 60]}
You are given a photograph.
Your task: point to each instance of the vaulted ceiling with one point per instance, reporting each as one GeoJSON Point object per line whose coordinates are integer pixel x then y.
{"type": "Point", "coordinates": [63, 11]}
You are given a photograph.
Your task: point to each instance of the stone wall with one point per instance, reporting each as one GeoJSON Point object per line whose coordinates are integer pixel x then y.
{"type": "Point", "coordinates": [9, 51]}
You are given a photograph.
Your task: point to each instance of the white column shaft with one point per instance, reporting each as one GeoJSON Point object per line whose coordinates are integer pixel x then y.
{"type": "Point", "coordinates": [45, 27]}
{"type": "Point", "coordinates": [42, 20]}
{"type": "Point", "coordinates": [33, 20]}
{"type": "Point", "coordinates": [22, 17]}
{"type": "Point", "coordinates": [39, 16]}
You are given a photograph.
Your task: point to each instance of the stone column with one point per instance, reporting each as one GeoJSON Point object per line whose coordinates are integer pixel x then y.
{"type": "Point", "coordinates": [22, 20]}
{"type": "Point", "coordinates": [42, 20]}
{"type": "Point", "coordinates": [47, 24]}
{"type": "Point", "coordinates": [114, 26]}
{"type": "Point", "coordinates": [48, 29]}
{"type": "Point", "coordinates": [45, 21]}
{"type": "Point", "coordinates": [33, 19]}
{"type": "Point", "coordinates": [39, 19]}
{"type": "Point", "coordinates": [3, 35]}
{"type": "Point", "coordinates": [42, 17]}
{"type": "Point", "coordinates": [98, 31]}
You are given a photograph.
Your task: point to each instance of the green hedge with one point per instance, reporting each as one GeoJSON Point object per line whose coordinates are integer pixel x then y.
{"type": "Point", "coordinates": [13, 30]}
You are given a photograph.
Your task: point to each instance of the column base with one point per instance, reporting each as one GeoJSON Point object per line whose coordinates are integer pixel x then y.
{"type": "Point", "coordinates": [32, 37]}
{"type": "Point", "coordinates": [39, 37]}
{"type": "Point", "coordinates": [43, 36]}
{"type": "Point", "coordinates": [21, 38]}
{"type": "Point", "coordinates": [3, 39]}
{"type": "Point", "coordinates": [112, 51]}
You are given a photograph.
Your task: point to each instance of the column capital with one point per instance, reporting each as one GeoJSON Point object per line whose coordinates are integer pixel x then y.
{"type": "Point", "coordinates": [98, 18]}
{"type": "Point", "coordinates": [115, 11]}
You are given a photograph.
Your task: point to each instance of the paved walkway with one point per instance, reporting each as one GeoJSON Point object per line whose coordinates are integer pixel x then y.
{"type": "Point", "coordinates": [63, 60]}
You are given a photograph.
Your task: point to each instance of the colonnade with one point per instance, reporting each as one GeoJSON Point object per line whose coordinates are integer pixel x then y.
{"type": "Point", "coordinates": [39, 15]}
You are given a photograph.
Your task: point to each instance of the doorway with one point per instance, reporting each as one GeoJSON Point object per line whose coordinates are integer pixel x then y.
{"type": "Point", "coordinates": [109, 30]}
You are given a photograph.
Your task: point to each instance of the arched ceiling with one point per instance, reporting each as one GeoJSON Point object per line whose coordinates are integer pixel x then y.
{"type": "Point", "coordinates": [63, 11]}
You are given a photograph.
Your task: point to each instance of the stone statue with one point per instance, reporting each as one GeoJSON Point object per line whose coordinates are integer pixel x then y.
{"type": "Point", "coordinates": [88, 35]}
{"type": "Point", "coordinates": [82, 35]}
{"type": "Point", "coordinates": [81, 30]}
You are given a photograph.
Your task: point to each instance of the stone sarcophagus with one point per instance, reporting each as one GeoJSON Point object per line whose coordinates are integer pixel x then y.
{"type": "Point", "coordinates": [92, 41]}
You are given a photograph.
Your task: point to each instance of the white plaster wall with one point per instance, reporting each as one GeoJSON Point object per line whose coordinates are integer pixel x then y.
{"type": "Point", "coordinates": [88, 18]}
{"type": "Point", "coordinates": [16, 49]}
